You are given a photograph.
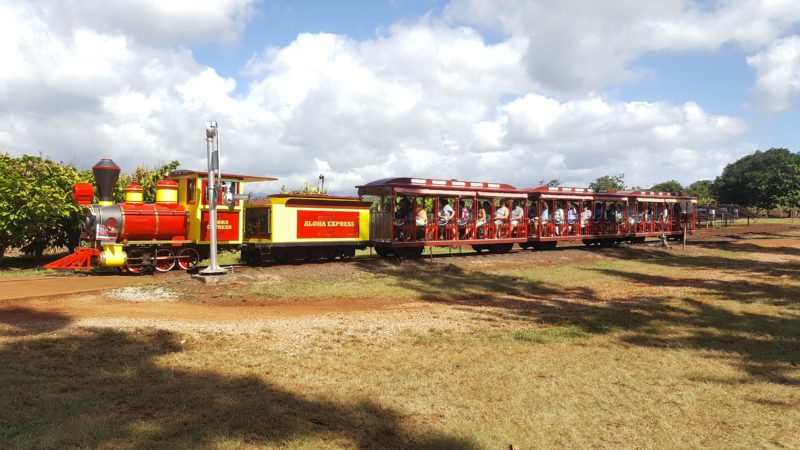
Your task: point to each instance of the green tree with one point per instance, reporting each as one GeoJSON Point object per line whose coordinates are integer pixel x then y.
{"type": "Point", "coordinates": [9, 226]}
{"type": "Point", "coordinates": [306, 189]}
{"type": "Point", "coordinates": [668, 186]}
{"type": "Point", "coordinates": [36, 206]}
{"type": "Point", "coordinates": [764, 179]}
{"type": "Point", "coordinates": [702, 191]}
{"type": "Point", "coordinates": [147, 178]}
{"type": "Point", "coordinates": [609, 182]}
{"type": "Point", "coordinates": [551, 183]}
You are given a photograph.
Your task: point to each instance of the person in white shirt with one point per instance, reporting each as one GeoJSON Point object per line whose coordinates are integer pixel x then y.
{"type": "Point", "coordinates": [586, 216]}
{"type": "Point", "coordinates": [516, 215]}
{"type": "Point", "coordinates": [500, 217]}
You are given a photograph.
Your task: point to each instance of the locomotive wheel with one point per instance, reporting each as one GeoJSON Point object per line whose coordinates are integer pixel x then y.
{"type": "Point", "coordinates": [133, 267]}
{"type": "Point", "coordinates": [165, 260]}
{"type": "Point", "coordinates": [188, 258]}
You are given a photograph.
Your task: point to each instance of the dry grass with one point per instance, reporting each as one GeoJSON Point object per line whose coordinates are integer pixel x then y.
{"type": "Point", "coordinates": [628, 347]}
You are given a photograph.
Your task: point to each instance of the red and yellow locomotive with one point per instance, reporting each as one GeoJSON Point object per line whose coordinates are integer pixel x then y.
{"type": "Point", "coordinates": [171, 232]}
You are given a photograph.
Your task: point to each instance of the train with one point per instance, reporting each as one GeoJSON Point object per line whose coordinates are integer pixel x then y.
{"type": "Point", "coordinates": [396, 217]}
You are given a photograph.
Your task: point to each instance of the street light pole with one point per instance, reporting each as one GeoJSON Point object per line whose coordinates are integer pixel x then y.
{"type": "Point", "coordinates": [212, 194]}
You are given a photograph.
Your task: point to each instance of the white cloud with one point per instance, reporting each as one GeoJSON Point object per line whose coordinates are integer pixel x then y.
{"type": "Point", "coordinates": [577, 47]}
{"type": "Point", "coordinates": [151, 21]}
{"type": "Point", "coordinates": [577, 141]}
{"type": "Point", "coordinates": [421, 99]}
{"type": "Point", "coordinates": [778, 73]}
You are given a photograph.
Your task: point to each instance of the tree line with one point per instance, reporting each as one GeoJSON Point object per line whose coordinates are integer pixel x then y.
{"type": "Point", "coordinates": [37, 210]}
{"type": "Point", "coordinates": [763, 180]}
{"type": "Point", "coordinates": [36, 207]}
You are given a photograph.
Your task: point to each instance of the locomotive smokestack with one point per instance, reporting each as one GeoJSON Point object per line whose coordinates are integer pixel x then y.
{"type": "Point", "coordinates": [105, 176]}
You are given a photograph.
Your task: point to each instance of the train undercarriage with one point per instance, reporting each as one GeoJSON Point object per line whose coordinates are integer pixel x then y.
{"type": "Point", "coordinates": [160, 258]}
{"type": "Point", "coordinates": [256, 254]}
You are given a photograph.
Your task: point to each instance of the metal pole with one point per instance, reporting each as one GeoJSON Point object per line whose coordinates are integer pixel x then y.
{"type": "Point", "coordinates": [212, 194]}
{"type": "Point", "coordinates": [684, 238]}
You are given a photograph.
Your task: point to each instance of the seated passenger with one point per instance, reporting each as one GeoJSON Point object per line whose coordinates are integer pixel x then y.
{"type": "Point", "coordinates": [572, 216]}
{"type": "Point", "coordinates": [516, 214]}
{"type": "Point", "coordinates": [445, 216]}
{"type": "Point", "coordinates": [611, 214]}
{"type": "Point", "coordinates": [403, 212]}
{"type": "Point", "coordinates": [464, 220]}
{"type": "Point", "coordinates": [586, 215]}
{"type": "Point", "coordinates": [558, 217]}
{"type": "Point", "coordinates": [481, 221]}
{"type": "Point", "coordinates": [446, 212]}
{"type": "Point", "coordinates": [545, 216]}
{"type": "Point", "coordinates": [501, 215]}
{"type": "Point", "coordinates": [422, 217]}
{"type": "Point", "coordinates": [466, 214]}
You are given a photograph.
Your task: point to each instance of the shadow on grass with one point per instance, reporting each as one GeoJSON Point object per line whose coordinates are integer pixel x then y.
{"type": "Point", "coordinates": [498, 296]}
{"type": "Point", "coordinates": [743, 291]}
{"type": "Point", "coordinates": [740, 247]}
{"type": "Point", "coordinates": [104, 389]}
{"type": "Point", "coordinates": [448, 282]}
{"type": "Point", "coordinates": [736, 263]}
{"type": "Point", "coordinates": [766, 347]}
{"type": "Point", "coordinates": [16, 321]}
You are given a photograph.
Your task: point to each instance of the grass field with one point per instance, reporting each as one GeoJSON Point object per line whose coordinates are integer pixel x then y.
{"type": "Point", "coordinates": [772, 220]}
{"type": "Point", "coordinates": [619, 348]}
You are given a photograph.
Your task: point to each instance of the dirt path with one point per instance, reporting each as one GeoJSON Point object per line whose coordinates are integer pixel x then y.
{"type": "Point", "coordinates": [97, 307]}
{"type": "Point", "coordinates": [51, 302]}
{"type": "Point", "coordinates": [13, 288]}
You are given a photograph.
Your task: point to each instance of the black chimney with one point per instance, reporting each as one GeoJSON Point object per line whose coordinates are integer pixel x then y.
{"type": "Point", "coordinates": [105, 176]}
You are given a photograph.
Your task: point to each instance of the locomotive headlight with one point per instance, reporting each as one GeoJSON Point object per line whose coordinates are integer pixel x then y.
{"type": "Point", "coordinates": [89, 221]}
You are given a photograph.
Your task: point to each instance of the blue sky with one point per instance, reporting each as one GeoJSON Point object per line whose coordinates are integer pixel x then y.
{"type": "Point", "coordinates": [720, 81]}
{"type": "Point", "coordinates": [277, 24]}
{"type": "Point", "coordinates": [514, 91]}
